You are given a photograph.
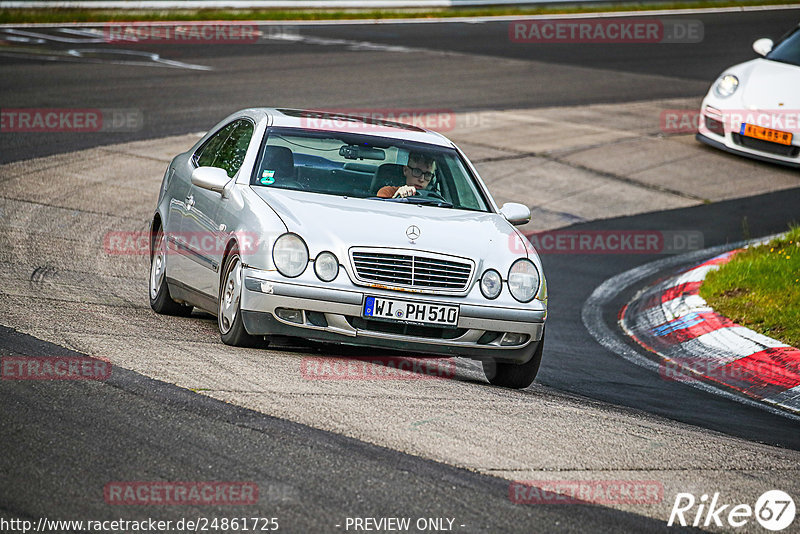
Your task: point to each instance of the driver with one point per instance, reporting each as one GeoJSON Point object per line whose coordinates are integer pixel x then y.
{"type": "Point", "coordinates": [418, 172]}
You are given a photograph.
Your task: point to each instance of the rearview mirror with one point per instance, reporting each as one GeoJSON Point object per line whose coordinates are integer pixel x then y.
{"type": "Point", "coordinates": [763, 46]}
{"type": "Point", "coordinates": [211, 178]}
{"type": "Point", "coordinates": [361, 152]}
{"type": "Point", "coordinates": [516, 214]}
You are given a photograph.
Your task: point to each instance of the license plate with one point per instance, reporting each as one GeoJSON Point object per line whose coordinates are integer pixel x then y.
{"type": "Point", "coordinates": [766, 134]}
{"type": "Point", "coordinates": [411, 312]}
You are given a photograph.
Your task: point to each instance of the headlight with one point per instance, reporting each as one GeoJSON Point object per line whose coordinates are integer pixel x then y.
{"type": "Point", "coordinates": [326, 266]}
{"type": "Point", "coordinates": [290, 255]}
{"type": "Point", "coordinates": [491, 284]}
{"type": "Point", "coordinates": [726, 85]}
{"type": "Point", "coordinates": [523, 280]}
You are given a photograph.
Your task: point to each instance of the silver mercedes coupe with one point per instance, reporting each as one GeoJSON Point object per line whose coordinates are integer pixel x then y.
{"type": "Point", "coordinates": [344, 229]}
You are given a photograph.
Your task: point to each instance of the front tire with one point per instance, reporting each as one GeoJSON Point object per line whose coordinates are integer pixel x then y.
{"type": "Point", "coordinates": [160, 299]}
{"type": "Point", "coordinates": [229, 312]}
{"type": "Point", "coordinates": [511, 375]}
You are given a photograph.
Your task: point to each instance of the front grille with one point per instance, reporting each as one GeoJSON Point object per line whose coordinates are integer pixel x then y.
{"type": "Point", "coordinates": [412, 270]}
{"type": "Point", "coordinates": [789, 151]}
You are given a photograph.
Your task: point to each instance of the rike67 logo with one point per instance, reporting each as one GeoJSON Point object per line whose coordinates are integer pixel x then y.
{"type": "Point", "coordinates": [774, 510]}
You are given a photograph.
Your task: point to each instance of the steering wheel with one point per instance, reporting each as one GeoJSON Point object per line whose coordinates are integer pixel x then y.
{"type": "Point", "coordinates": [427, 193]}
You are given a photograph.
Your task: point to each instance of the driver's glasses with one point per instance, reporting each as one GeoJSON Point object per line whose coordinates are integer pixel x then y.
{"type": "Point", "coordinates": [417, 172]}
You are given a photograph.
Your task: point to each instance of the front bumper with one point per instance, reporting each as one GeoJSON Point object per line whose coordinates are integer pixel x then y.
{"type": "Point", "coordinates": [333, 313]}
{"type": "Point", "coordinates": [721, 144]}
{"type": "Point", "coordinates": [715, 131]}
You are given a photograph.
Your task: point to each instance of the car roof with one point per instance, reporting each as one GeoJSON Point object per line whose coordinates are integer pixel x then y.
{"type": "Point", "coordinates": [354, 123]}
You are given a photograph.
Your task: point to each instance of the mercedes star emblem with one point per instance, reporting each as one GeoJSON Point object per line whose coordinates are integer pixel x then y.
{"type": "Point", "coordinates": [412, 232]}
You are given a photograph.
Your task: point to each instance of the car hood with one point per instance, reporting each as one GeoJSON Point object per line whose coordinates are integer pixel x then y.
{"type": "Point", "coordinates": [771, 85]}
{"type": "Point", "coordinates": [328, 222]}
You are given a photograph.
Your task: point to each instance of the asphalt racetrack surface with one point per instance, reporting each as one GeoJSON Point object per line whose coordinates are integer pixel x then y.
{"type": "Point", "coordinates": [63, 442]}
{"type": "Point", "coordinates": [132, 427]}
{"type": "Point", "coordinates": [447, 66]}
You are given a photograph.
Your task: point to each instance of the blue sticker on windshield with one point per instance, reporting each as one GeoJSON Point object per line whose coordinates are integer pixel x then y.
{"type": "Point", "coordinates": [268, 177]}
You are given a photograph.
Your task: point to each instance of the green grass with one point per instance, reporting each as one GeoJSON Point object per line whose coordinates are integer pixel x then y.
{"type": "Point", "coordinates": [17, 16]}
{"type": "Point", "coordinates": [760, 288]}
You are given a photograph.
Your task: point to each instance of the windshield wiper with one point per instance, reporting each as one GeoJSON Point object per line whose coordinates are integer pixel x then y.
{"type": "Point", "coordinates": [422, 201]}
{"type": "Point", "coordinates": [429, 201]}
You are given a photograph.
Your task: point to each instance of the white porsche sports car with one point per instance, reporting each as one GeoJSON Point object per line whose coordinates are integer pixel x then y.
{"type": "Point", "coordinates": [753, 108]}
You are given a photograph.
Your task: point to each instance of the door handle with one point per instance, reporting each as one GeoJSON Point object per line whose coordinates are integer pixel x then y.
{"type": "Point", "coordinates": [189, 202]}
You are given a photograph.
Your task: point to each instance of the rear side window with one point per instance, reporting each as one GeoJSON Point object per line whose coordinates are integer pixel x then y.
{"type": "Point", "coordinates": [227, 148]}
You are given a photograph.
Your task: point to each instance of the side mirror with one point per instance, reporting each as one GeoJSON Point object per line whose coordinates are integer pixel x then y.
{"type": "Point", "coordinates": [516, 214]}
{"type": "Point", "coordinates": [211, 178]}
{"type": "Point", "coordinates": [763, 46]}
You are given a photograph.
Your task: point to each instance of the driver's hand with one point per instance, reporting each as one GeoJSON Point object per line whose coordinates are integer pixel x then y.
{"type": "Point", "coordinates": [405, 191]}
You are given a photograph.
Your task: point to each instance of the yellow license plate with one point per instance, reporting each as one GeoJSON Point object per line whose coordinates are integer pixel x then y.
{"type": "Point", "coordinates": [766, 134]}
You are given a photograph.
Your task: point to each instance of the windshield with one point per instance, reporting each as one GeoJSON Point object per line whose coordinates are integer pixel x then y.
{"type": "Point", "coordinates": [362, 166]}
{"type": "Point", "coordinates": [788, 50]}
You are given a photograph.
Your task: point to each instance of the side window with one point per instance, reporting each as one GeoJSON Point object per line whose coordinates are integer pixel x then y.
{"type": "Point", "coordinates": [233, 151]}
{"type": "Point", "coordinates": [227, 148]}
{"type": "Point", "coordinates": [466, 192]}
{"type": "Point", "coordinates": [207, 154]}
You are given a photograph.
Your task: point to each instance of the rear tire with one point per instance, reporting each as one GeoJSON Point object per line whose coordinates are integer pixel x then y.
{"type": "Point", "coordinates": [511, 375]}
{"type": "Point", "coordinates": [229, 312]}
{"type": "Point", "coordinates": [160, 299]}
